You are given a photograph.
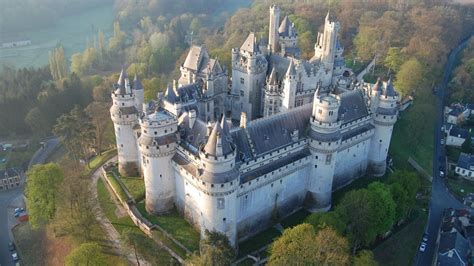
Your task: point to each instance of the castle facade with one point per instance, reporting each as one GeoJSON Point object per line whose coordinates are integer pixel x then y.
{"type": "Point", "coordinates": [233, 155]}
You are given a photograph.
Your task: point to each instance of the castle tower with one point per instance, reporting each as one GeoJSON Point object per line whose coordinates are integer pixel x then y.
{"type": "Point", "coordinates": [220, 181]}
{"type": "Point", "coordinates": [289, 87]}
{"type": "Point", "coordinates": [273, 36]}
{"type": "Point", "coordinates": [325, 139]}
{"type": "Point", "coordinates": [124, 115]}
{"type": "Point", "coordinates": [249, 67]}
{"type": "Point", "coordinates": [157, 144]}
{"type": "Point", "coordinates": [325, 48]}
{"type": "Point", "coordinates": [139, 93]}
{"type": "Point", "coordinates": [272, 95]}
{"type": "Point", "coordinates": [385, 116]}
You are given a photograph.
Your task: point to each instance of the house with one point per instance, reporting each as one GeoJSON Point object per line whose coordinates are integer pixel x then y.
{"type": "Point", "coordinates": [455, 238]}
{"type": "Point", "coordinates": [456, 136]}
{"type": "Point", "coordinates": [456, 113]}
{"type": "Point", "coordinates": [465, 166]}
{"type": "Point", "coordinates": [10, 178]}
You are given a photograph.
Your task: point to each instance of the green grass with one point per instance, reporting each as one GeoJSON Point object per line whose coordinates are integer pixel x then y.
{"type": "Point", "coordinates": [419, 146]}
{"type": "Point", "coordinates": [101, 159]}
{"type": "Point", "coordinates": [175, 225]}
{"type": "Point", "coordinates": [401, 247]}
{"type": "Point", "coordinates": [135, 186]}
{"type": "Point", "coordinates": [147, 247]}
{"type": "Point", "coordinates": [118, 188]}
{"type": "Point", "coordinates": [70, 31]}
{"type": "Point", "coordinates": [456, 185]}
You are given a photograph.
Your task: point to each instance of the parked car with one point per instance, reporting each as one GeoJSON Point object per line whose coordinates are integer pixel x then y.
{"type": "Point", "coordinates": [425, 237]}
{"type": "Point", "coordinates": [15, 257]}
{"type": "Point", "coordinates": [19, 210]}
{"type": "Point", "coordinates": [422, 246]}
{"type": "Point", "coordinates": [11, 246]}
{"type": "Point", "coordinates": [441, 174]}
{"type": "Point", "coordinates": [442, 141]}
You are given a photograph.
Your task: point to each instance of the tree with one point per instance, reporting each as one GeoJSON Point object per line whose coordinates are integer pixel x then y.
{"type": "Point", "coordinates": [394, 59]}
{"type": "Point", "coordinates": [86, 254]}
{"type": "Point", "coordinates": [301, 245]}
{"type": "Point", "coordinates": [365, 258]}
{"type": "Point", "coordinates": [383, 207]}
{"type": "Point", "coordinates": [400, 196]}
{"type": "Point", "coordinates": [410, 183]}
{"type": "Point", "coordinates": [41, 192]}
{"type": "Point", "coordinates": [215, 250]}
{"type": "Point", "coordinates": [466, 146]}
{"type": "Point", "coordinates": [322, 220]}
{"type": "Point", "coordinates": [132, 238]}
{"type": "Point", "coordinates": [410, 77]}
{"type": "Point", "coordinates": [57, 63]}
{"type": "Point", "coordinates": [76, 132]}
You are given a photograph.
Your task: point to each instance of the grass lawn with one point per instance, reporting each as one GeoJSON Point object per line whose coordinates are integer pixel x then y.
{"type": "Point", "coordinates": [146, 247]}
{"type": "Point", "coordinates": [401, 247]}
{"type": "Point", "coordinates": [456, 185]}
{"type": "Point", "coordinates": [115, 184]}
{"type": "Point", "coordinates": [175, 225]}
{"type": "Point", "coordinates": [136, 187]}
{"type": "Point", "coordinates": [29, 244]}
{"type": "Point", "coordinates": [99, 160]}
{"type": "Point", "coordinates": [419, 146]}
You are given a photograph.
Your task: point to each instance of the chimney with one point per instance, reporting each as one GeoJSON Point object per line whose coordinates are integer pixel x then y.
{"type": "Point", "coordinates": [243, 120]}
{"type": "Point", "coordinates": [192, 117]}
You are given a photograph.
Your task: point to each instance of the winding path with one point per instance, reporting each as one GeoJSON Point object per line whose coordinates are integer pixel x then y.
{"type": "Point", "coordinates": [106, 225]}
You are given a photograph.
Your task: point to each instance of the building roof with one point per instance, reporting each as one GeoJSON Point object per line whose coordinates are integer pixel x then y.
{"type": "Point", "coordinates": [458, 132]}
{"type": "Point", "coordinates": [285, 28]}
{"type": "Point", "coordinates": [272, 79]}
{"type": "Point", "coordinates": [219, 142]}
{"type": "Point", "coordinates": [378, 85]}
{"type": "Point", "coordinates": [120, 86]}
{"type": "Point", "coordinates": [389, 90]}
{"type": "Point", "coordinates": [457, 110]}
{"type": "Point", "coordinates": [184, 93]}
{"type": "Point", "coordinates": [11, 172]}
{"type": "Point", "coordinates": [250, 45]}
{"type": "Point", "coordinates": [137, 84]}
{"type": "Point", "coordinates": [453, 249]}
{"type": "Point", "coordinates": [196, 58]}
{"type": "Point", "coordinates": [291, 69]}
{"type": "Point", "coordinates": [353, 106]}
{"type": "Point", "coordinates": [465, 160]}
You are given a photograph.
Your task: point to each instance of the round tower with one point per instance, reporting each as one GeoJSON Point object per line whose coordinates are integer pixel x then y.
{"type": "Point", "coordinates": [273, 36]}
{"type": "Point", "coordinates": [325, 139]}
{"type": "Point", "coordinates": [124, 115]}
{"type": "Point", "coordinates": [220, 180]}
{"type": "Point", "coordinates": [272, 95]}
{"type": "Point", "coordinates": [384, 117]}
{"type": "Point", "coordinates": [157, 144]}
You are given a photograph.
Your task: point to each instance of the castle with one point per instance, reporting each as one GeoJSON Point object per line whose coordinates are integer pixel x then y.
{"type": "Point", "coordinates": [234, 154]}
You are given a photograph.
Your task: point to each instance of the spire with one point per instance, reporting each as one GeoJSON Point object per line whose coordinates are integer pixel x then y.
{"type": "Point", "coordinates": [389, 89]}
{"type": "Point", "coordinates": [291, 69]}
{"type": "Point", "coordinates": [137, 84]}
{"type": "Point", "coordinates": [225, 126]}
{"type": "Point", "coordinates": [285, 25]}
{"type": "Point", "coordinates": [122, 77]}
{"type": "Point", "coordinates": [272, 79]}
{"type": "Point", "coordinates": [378, 85]}
{"type": "Point", "coordinates": [328, 16]}
{"type": "Point", "coordinates": [217, 144]}
{"type": "Point", "coordinates": [170, 94]}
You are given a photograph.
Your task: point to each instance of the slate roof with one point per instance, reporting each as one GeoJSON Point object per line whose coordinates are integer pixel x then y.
{"type": "Point", "coordinates": [389, 90]}
{"type": "Point", "coordinates": [352, 107]}
{"type": "Point", "coordinates": [453, 249]}
{"type": "Point", "coordinates": [192, 138]}
{"type": "Point", "coordinates": [457, 110]}
{"type": "Point", "coordinates": [11, 172]}
{"type": "Point", "coordinates": [275, 131]}
{"type": "Point", "coordinates": [219, 142]}
{"type": "Point", "coordinates": [465, 161]}
{"type": "Point", "coordinates": [184, 93]}
{"type": "Point", "coordinates": [250, 45]}
{"type": "Point", "coordinates": [279, 63]}
{"type": "Point", "coordinates": [272, 79]}
{"type": "Point", "coordinates": [195, 58]}
{"type": "Point", "coordinates": [284, 29]}
{"type": "Point", "coordinates": [458, 132]}
{"type": "Point", "coordinates": [120, 85]}
{"type": "Point", "coordinates": [137, 84]}
{"type": "Point", "coordinates": [291, 69]}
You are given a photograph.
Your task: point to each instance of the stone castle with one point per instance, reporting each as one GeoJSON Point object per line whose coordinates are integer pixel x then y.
{"type": "Point", "coordinates": [232, 154]}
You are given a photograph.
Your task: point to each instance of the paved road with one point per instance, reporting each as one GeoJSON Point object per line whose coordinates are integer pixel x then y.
{"type": "Point", "coordinates": [440, 197]}
{"type": "Point", "coordinates": [11, 199]}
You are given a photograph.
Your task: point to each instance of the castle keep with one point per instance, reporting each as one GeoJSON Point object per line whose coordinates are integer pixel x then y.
{"type": "Point", "coordinates": [281, 134]}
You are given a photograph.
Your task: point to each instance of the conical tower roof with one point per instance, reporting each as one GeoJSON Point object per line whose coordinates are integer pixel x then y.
{"type": "Point", "coordinates": [250, 45]}
{"type": "Point", "coordinates": [170, 94]}
{"type": "Point", "coordinates": [285, 27]}
{"type": "Point", "coordinates": [225, 126]}
{"type": "Point", "coordinates": [291, 69]}
{"type": "Point", "coordinates": [137, 84]}
{"type": "Point", "coordinates": [218, 143]}
{"type": "Point", "coordinates": [378, 85]}
{"type": "Point", "coordinates": [272, 79]}
{"type": "Point", "coordinates": [389, 89]}
{"type": "Point", "coordinates": [121, 82]}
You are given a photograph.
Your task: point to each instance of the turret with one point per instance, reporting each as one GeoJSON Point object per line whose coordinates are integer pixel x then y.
{"type": "Point", "coordinates": [139, 93]}
{"type": "Point", "coordinates": [289, 87]}
{"type": "Point", "coordinates": [220, 180]}
{"type": "Point", "coordinates": [124, 115]}
{"type": "Point", "coordinates": [272, 95]}
{"type": "Point", "coordinates": [157, 143]}
{"type": "Point", "coordinates": [384, 117]}
{"type": "Point", "coordinates": [273, 36]}
{"type": "Point", "coordinates": [325, 139]}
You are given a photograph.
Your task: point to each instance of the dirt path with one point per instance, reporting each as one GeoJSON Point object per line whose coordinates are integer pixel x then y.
{"type": "Point", "coordinates": [109, 229]}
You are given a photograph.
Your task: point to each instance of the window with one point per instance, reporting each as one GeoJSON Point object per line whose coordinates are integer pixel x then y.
{"type": "Point", "coordinates": [242, 81]}
{"type": "Point", "coordinates": [242, 93]}
{"type": "Point", "coordinates": [328, 158]}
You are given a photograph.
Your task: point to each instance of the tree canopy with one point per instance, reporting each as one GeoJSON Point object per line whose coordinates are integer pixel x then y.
{"type": "Point", "coordinates": [86, 254]}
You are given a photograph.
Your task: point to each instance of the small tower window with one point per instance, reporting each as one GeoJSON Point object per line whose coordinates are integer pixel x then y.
{"type": "Point", "coordinates": [242, 81]}
{"type": "Point", "coordinates": [223, 219]}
